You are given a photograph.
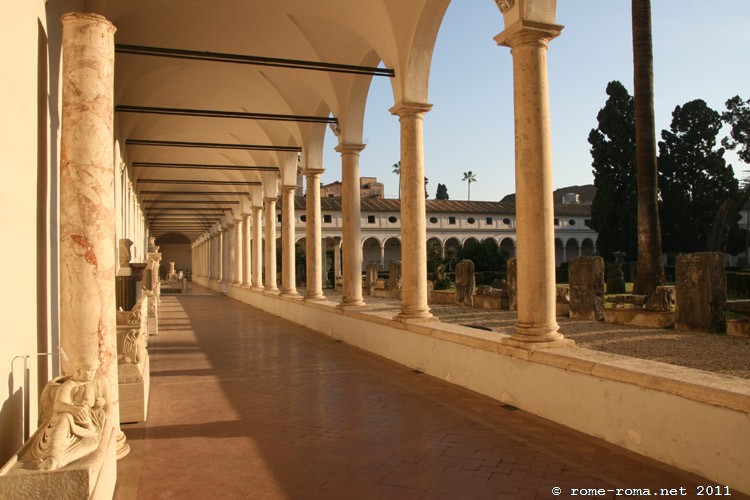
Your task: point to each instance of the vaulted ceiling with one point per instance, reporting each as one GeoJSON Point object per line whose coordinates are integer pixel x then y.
{"type": "Point", "coordinates": [214, 97]}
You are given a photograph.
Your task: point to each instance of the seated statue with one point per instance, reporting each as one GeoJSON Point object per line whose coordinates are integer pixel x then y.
{"type": "Point", "coordinates": [72, 418]}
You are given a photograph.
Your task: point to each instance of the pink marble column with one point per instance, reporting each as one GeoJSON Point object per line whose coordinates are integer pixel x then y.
{"type": "Point", "coordinates": [288, 271]}
{"type": "Point", "coordinates": [350, 231]}
{"type": "Point", "coordinates": [314, 253]}
{"type": "Point", "coordinates": [88, 331]}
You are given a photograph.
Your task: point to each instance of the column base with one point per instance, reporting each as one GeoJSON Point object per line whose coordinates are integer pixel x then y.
{"type": "Point", "coordinates": [355, 304]}
{"type": "Point", "coordinates": [271, 291]}
{"type": "Point", "coordinates": [414, 316]}
{"type": "Point", "coordinates": [316, 298]}
{"type": "Point", "coordinates": [257, 288]}
{"type": "Point", "coordinates": [122, 448]}
{"type": "Point", "coordinates": [290, 293]}
{"type": "Point", "coordinates": [543, 336]}
{"type": "Point", "coordinates": [246, 286]}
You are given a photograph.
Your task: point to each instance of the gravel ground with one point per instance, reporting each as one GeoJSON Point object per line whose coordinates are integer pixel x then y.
{"type": "Point", "coordinates": [716, 353]}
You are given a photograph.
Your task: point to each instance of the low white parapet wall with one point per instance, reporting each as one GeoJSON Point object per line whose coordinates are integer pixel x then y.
{"type": "Point", "coordinates": [695, 420]}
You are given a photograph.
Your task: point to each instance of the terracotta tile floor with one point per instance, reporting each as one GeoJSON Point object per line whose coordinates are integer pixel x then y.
{"type": "Point", "coordinates": [246, 405]}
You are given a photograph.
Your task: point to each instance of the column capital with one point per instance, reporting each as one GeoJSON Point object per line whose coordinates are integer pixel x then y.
{"type": "Point", "coordinates": [410, 108]}
{"type": "Point", "coordinates": [288, 188]}
{"type": "Point", "coordinates": [349, 148]}
{"type": "Point", "coordinates": [313, 172]}
{"type": "Point", "coordinates": [270, 199]}
{"type": "Point", "coordinates": [528, 32]}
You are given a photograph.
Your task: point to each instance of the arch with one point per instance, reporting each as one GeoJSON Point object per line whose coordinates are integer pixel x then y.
{"type": "Point", "coordinates": [508, 248]}
{"type": "Point", "coordinates": [572, 249]}
{"type": "Point", "coordinates": [391, 251]}
{"type": "Point", "coordinates": [587, 247]}
{"type": "Point", "coordinates": [470, 240]}
{"type": "Point", "coordinates": [371, 253]}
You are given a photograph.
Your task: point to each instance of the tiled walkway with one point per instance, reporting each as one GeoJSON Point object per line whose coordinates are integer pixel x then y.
{"type": "Point", "coordinates": [246, 405]}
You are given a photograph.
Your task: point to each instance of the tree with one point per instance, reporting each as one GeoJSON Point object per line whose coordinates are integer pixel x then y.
{"type": "Point", "coordinates": [397, 170]}
{"type": "Point", "coordinates": [738, 117]}
{"type": "Point", "coordinates": [426, 194]}
{"type": "Point", "coordinates": [650, 268]}
{"type": "Point", "coordinates": [442, 192]}
{"type": "Point", "coordinates": [694, 177]}
{"type": "Point", "coordinates": [485, 255]}
{"type": "Point", "coordinates": [614, 208]}
{"type": "Point", "coordinates": [469, 177]}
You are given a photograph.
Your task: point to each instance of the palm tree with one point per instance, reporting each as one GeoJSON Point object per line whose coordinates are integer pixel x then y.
{"type": "Point", "coordinates": [650, 268]}
{"type": "Point", "coordinates": [397, 170]}
{"type": "Point", "coordinates": [469, 177]}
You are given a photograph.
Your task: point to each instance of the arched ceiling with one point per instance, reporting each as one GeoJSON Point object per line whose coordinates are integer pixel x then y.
{"type": "Point", "coordinates": [396, 34]}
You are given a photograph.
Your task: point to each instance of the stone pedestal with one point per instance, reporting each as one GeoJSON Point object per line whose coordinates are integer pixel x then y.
{"type": "Point", "coordinates": [586, 276]}
{"type": "Point", "coordinates": [93, 477]}
{"type": "Point", "coordinates": [394, 280]}
{"type": "Point", "coordinates": [133, 363]}
{"type": "Point", "coordinates": [701, 284]}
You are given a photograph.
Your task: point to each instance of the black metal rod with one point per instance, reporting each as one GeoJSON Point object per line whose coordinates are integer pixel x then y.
{"type": "Point", "coordinates": [212, 145]}
{"type": "Point", "coordinates": [198, 166]}
{"type": "Point", "coordinates": [191, 210]}
{"type": "Point", "coordinates": [199, 182]}
{"type": "Point", "coordinates": [195, 193]}
{"type": "Point", "coordinates": [213, 113]}
{"type": "Point", "coordinates": [254, 60]}
{"type": "Point", "coordinates": [191, 202]}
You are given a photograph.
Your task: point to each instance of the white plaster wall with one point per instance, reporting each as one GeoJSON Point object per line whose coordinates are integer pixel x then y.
{"type": "Point", "coordinates": [694, 420]}
{"type": "Point", "coordinates": [19, 34]}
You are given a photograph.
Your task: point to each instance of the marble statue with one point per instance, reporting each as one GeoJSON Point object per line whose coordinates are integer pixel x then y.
{"type": "Point", "coordinates": [73, 415]}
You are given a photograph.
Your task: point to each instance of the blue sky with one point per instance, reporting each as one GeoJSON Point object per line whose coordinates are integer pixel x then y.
{"type": "Point", "coordinates": [701, 51]}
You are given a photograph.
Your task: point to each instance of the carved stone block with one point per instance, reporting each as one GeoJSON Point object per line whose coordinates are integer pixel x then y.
{"type": "Point", "coordinates": [701, 284]}
{"type": "Point", "coordinates": [586, 276]}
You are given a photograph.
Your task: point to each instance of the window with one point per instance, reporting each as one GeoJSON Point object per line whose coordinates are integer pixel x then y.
{"type": "Point", "coordinates": [303, 218]}
{"type": "Point", "coordinates": [278, 217]}
{"type": "Point", "coordinates": [471, 220]}
{"type": "Point", "coordinates": [557, 222]}
{"type": "Point", "coordinates": [506, 221]}
{"type": "Point", "coordinates": [392, 219]}
{"type": "Point", "coordinates": [327, 218]}
{"type": "Point", "coordinates": [451, 220]}
{"type": "Point", "coordinates": [572, 222]}
{"type": "Point", "coordinates": [433, 220]}
{"type": "Point", "coordinates": [488, 221]}
{"type": "Point", "coordinates": [587, 222]}
{"type": "Point", "coordinates": [371, 219]}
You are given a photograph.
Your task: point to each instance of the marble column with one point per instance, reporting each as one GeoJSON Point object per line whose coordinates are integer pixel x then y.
{"type": "Point", "coordinates": [238, 249]}
{"type": "Point", "coordinates": [414, 295]}
{"type": "Point", "coordinates": [257, 249]}
{"type": "Point", "coordinates": [313, 236]}
{"type": "Point", "coordinates": [382, 255]}
{"type": "Point", "coordinates": [288, 271]}
{"type": "Point", "coordinates": [269, 264]}
{"type": "Point", "coordinates": [88, 331]}
{"type": "Point", "coordinates": [220, 255]}
{"type": "Point", "coordinates": [535, 230]}
{"type": "Point", "coordinates": [350, 231]}
{"type": "Point", "coordinates": [246, 237]}
{"type": "Point", "coordinates": [336, 257]}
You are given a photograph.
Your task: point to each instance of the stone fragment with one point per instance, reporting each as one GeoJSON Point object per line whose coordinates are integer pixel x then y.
{"type": "Point", "coordinates": [586, 276]}
{"type": "Point", "coordinates": [701, 284]}
{"type": "Point", "coordinates": [465, 283]}
{"type": "Point", "coordinates": [512, 285]}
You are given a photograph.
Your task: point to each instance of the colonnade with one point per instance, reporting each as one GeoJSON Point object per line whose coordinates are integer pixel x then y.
{"type": "Point", "coordinates": [537, 325]}
{"type": "Point", "coordinates": [535, 217]}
